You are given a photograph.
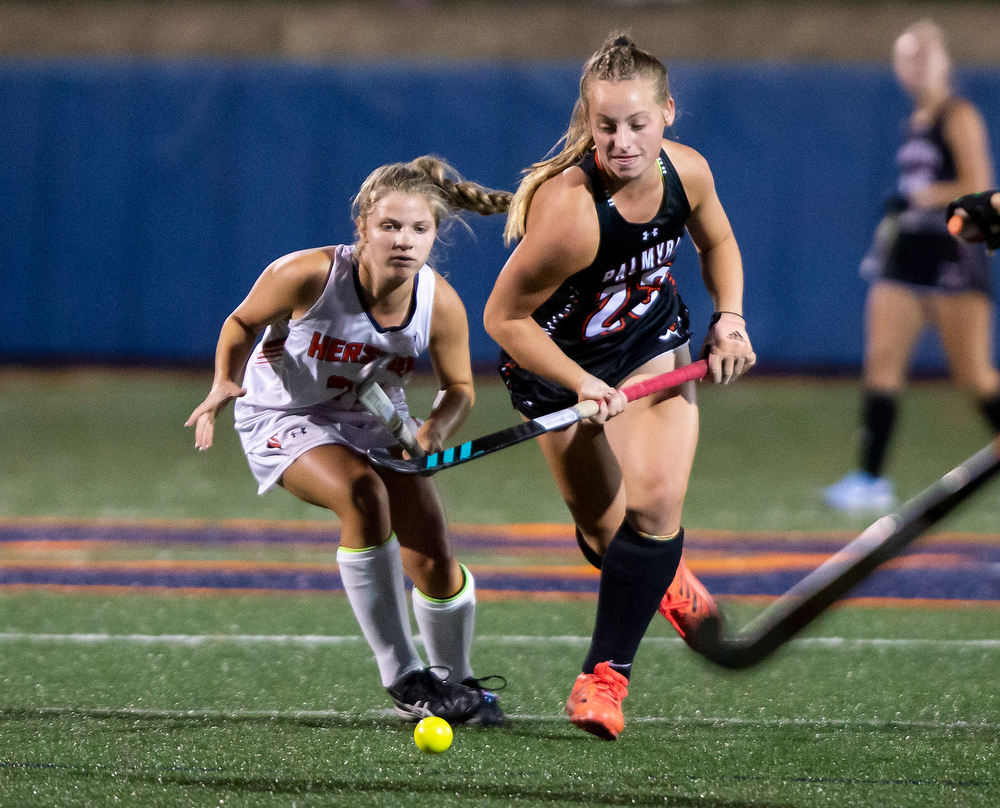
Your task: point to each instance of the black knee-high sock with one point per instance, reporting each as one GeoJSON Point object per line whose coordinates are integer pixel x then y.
{"type": "Point", "coordinates": [878, 419]}
{"type": "Point", "coordinates": [991, 409]}
{"type": "Point", "coordinates": [635, 573]}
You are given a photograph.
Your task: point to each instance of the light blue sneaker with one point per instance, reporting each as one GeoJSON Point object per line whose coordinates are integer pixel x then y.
{"type": "Point", "coordinates": [859, 491]}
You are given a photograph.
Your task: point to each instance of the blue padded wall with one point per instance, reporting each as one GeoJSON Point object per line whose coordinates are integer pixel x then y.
{"type": "Point", "coordinates": [140, 200]}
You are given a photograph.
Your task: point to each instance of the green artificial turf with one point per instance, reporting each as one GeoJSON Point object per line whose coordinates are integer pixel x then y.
{"type": "Point", "coordinates": [241, 700]}
{"type": "Point", "coordinates": [111, 444]}
{"type": "Point", "coordinates": [232, 699]}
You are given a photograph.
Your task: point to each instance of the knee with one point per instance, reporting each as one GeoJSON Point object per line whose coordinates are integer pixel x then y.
{"type": "Point", "coordinates": [368, 496]}
{"type": "Point", "coordinates": [986, 389]}
{"type": "Point", "coordinates": [983, 383]}
{"type": "Point", "coordinates": [659, 513]}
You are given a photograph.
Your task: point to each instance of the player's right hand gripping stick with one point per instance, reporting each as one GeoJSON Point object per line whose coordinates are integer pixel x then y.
{"type": "Point", "coordinates": [979, 210]}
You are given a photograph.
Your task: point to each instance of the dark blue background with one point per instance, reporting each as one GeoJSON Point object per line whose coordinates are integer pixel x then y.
{"type": "Point", "coordinates": [140, 200]}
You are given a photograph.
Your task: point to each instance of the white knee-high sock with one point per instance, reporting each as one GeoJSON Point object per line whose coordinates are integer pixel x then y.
{"type": "Point", "coordinates": [373, 579]}
{"type": "Point", "coordinates": [446, 627]}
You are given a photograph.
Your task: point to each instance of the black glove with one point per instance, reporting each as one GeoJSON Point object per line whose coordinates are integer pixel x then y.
{"type": "Point", "coordinates": [982, 214]}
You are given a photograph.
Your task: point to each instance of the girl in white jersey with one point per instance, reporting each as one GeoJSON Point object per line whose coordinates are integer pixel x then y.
{"type": "Point", "coordinates": [325, 313]}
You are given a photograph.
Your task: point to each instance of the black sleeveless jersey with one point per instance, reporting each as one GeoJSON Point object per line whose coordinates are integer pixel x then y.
{"type": "Point", "coordinates": [924, 156]}
{"type": "Point", "coordinates": [624, 309]}
{"type": "Point", "coordinates": [924, 253]}
{"type": "Point", "coordinates": [627, 295]}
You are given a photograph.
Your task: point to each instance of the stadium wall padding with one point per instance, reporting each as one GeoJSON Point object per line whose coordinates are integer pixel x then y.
{"type": "Point", "coordinates": [140, 200]}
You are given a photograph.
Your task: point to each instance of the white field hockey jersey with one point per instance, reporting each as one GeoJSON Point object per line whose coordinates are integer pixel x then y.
{"type": "Point", "coordinates": [311, 365]}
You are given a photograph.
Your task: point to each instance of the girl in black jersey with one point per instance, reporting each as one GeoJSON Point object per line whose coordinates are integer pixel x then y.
{"type": "Point", "coordinates": [923, 275]}
{"type": "Point", "coordinates": [585, 304]}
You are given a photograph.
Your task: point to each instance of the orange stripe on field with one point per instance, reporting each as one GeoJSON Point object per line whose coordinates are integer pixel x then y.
{"type": "Point", "coordinates": [528, 530]}
{"type": "Point", "coordinates": [776, 562]}
{"type": "Point", "coordinates": [106, 590]}
{"type": "Point", "coordinates": [718, 563]}
{"type": "Point", "coordinates": [503, 595]}
{"type": "Point", "coordinates": [926, 603]}
{"type": "Point", "coordinates": [706, 563]}
{"type": "Point", "coordinates": [564, 571]}
{"type": "Point", "coordinates": [41, 546]}
{"type": "Point", "coordinates": [575, 571]}
{"type": "Point", "coordinates": [303, 525]}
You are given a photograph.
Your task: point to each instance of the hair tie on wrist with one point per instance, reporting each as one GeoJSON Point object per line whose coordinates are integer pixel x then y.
{"type": "Point", "coordinates": [718, 316]}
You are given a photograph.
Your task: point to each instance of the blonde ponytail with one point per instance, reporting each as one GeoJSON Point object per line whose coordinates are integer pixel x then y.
{"type": "Point", "coordinates": [461, 194]}
{"type": "Point", "coordinates": [619, 59]}
{"type": "Point", "coordinates": [437, 182]}
{"type": "Point", "coordinates": [578, 141]}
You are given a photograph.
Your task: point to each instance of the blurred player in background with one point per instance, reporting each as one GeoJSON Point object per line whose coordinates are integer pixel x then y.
{"type": "Point", "coordinates": [921, 275]}
{"type": "Point", "coordinates": [325, 313]}
{"type": "Point", "coordinates": [585, 304]}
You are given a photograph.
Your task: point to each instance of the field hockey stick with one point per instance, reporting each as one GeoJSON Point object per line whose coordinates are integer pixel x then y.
{"type": "Point", "coordinates": [494, 442]}
{"type": "Point", "coordinates": [829, 582]}
{"type": "Point", "coordinates": [374, 399]}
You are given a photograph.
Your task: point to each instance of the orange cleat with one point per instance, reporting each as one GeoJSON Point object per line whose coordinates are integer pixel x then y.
{"type": "Point", "coordinates": [687, 603]}
{"type": "Point", "coordinates": [595, 704]}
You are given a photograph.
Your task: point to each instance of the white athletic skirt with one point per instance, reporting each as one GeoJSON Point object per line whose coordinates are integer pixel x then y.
{"type": "Point", "coordinates": [273, 439]}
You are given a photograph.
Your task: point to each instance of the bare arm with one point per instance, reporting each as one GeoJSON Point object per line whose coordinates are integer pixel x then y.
{"type": "Point", "coordinates": [727, 344]}
{"type": "Point", "coordinates": [449, 352]}
{"type": "Point", "coordinates": [965, 134]}
{"type": "Point", "coordinates": [562, 238]}
{"type": "Point", "coordinates": [287, 288]}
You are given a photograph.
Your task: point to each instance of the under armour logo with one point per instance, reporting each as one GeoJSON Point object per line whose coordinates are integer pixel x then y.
{"type": "Point", "coordinates": [647, 233]}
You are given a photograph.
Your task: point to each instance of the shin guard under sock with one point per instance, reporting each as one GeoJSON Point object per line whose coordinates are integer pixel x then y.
{"type": "Point", "coordinates": [447, 626]}
{"type": "Point", "coordinates": [373, 580]}
{"type": "Point", "coordinates": [635, 573]}
{"type": "Point", "coordinates": [877, 421]}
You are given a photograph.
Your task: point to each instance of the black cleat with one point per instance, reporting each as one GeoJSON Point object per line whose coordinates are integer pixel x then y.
{"type": "Point", "coordinates": [421, 693]}
{"type": "Point", "coordinates": [488, 713]}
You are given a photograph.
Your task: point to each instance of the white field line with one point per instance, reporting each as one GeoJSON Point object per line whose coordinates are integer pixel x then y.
{"type": "Point", "coordinates": [317, 640]}
{"type": "Point", "coordinates": [559, 718]}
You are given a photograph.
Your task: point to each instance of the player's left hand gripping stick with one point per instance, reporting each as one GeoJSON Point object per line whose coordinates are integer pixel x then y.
{"type": "Point", "coordinates": [560, 419]}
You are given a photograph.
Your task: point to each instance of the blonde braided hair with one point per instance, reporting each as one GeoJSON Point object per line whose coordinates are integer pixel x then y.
{"type": "Point", "coordinates": [437, 182]}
